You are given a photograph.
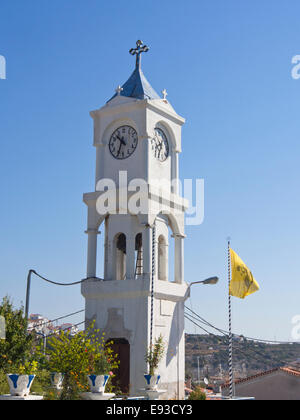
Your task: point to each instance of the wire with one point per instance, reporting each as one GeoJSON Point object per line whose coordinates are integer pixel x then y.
{"type": "Point", "coordinates": [55, 333]}
{"type": "Point", "coordinates": [239, 335]}
{"type": "Point", "coordinates": [236, 348]}
{"type": "Point", "coordinates": [198, 316]}
{"type": "Point", "coordinates": [203, 329]}
{"type": "Point", "coordinates": [256, 352]}
{"type": "Point", "coordinates": [206, 322]}
{"type": "Point", "coordinates": [57, 319]}
{"type": "Point", "coordinates": [64, 284]}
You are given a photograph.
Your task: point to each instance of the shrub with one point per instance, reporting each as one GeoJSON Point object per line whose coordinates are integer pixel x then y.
{"type": "Point", "coordinates": [197, 394]}
{"type": "Point", "coordinates": [155, 354]}
{"type": "Point", "coordinates": [76, 356]}
{"type": "Point", "coordinates": [16, 347]}
{"type": "Point", "coordinates": [4, 388]}
{"type": "Point", "coordinates": [26, 368]}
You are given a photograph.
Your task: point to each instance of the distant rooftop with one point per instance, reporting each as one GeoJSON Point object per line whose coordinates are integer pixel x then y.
{"type": "Point", "coordinates": [288, 370]}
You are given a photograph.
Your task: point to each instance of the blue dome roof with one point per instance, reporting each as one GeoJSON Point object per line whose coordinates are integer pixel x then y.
{"type": "Point", "coordinates": [137, 86]}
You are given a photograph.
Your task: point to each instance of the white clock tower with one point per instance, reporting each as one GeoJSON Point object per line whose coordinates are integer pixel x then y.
{"type": "Point", "coordinates": [137, 136]}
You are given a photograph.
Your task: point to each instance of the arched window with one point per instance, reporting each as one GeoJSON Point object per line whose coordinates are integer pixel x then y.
{"type": "Point", "coordinates": [138, 255]}
{"type": "Point", "coordinates": [120, 256]}
{"type": "Point", "coordinates": [162, 258]}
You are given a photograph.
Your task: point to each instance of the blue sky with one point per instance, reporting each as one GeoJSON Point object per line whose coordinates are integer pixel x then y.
{"type": "Point", "coordinates": [227, 69]}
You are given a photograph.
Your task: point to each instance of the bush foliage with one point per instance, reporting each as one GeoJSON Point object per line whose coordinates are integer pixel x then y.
{"type": "Point", "coordinates": [74, 356]}
{"type": "Point", "coordinates": [17, 346]}
{"type": "Point", "coordinates": [197, 394]}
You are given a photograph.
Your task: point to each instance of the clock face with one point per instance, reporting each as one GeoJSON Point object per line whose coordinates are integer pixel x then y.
{"type": "Point", "coordinates": [123, 142]}
{"type": "Point", "coordinates": [160, 145]}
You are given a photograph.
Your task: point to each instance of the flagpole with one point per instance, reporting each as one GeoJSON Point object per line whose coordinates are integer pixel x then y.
{"type": "Point", "coordinates": [230, 326]}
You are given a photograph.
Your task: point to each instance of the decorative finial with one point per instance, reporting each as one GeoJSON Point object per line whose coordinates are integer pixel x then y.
{"type": "Point", "coordinates": [138, 51]}
{"type": "Point", "coordinates": [119, 90]}
{"type": "Point", "coordinates": [165, 94]}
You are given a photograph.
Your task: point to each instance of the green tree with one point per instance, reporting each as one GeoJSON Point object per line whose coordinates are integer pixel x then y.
{"type": "Point", "coordinates": [16, 347]}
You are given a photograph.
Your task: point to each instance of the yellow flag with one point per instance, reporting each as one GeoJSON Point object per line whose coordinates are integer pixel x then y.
{"type": "Point", "coordinates": [242, 282]}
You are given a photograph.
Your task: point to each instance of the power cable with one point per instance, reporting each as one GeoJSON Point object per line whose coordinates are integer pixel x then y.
{"type": "Point", "coordinates": [55, 333]}
{"type": "Point", "coordinates": [226, 336]}
{"type": "Point", "coordinates": [201, 328]}
{"type": "Point", "coordinates": [64, 284]}
{"type": "Point", "coordinates": [226, 343]}
{"type": "Point", "coordinates": [58, 319]}
{"type": "Point", "coordinates": [49, 281]}
{"type": "Point", "coordinates": [235, 348]}
{"type": "Point", "coordinates": [240, 335]}
{"type": "Point", "coordinates": [206, 322]}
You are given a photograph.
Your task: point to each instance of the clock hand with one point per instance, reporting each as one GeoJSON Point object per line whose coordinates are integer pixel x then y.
{"type": "Point", "coordinates": [160, 148]}
{"type": "Point", "coordinates": [121, 144]}
{"type": "Point", "coordinates": [122, 140]}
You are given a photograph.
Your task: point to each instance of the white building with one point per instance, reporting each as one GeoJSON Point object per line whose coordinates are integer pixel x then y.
{"type": "Point", "coordinates": [71, 329]}
{"type": "Point", "coordinates": [282, 384]}
{"type": "Point", "coordinates": [39, 324]}
{"type": "Point", "coordinates": [138, 133]}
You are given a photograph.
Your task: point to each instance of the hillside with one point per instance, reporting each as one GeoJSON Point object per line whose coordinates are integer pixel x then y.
{"type": "Point", "coordinates": [249, 357]}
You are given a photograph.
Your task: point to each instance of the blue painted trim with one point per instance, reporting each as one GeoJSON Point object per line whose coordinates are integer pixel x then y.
{"type": "Point", "coordinates": [106, 378]}
{"type": "Point", "coordinates": [14, 379]}
{"type": "Point", "coordinates": [30, 379]}
{"type": "Point", "coordinates": [148, 378]}
{"type": "Point", "coordinates": [93, 379]}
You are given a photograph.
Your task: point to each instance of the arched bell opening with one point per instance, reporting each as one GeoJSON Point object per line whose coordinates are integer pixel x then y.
{"type": "Point", "coordinates": [170, 242]}
{"type": "Point", "coordinates": [120, 256]}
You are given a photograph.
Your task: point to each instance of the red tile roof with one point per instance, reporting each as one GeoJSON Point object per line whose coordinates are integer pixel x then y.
{"type": "Point", "coordinates": [288, 370]}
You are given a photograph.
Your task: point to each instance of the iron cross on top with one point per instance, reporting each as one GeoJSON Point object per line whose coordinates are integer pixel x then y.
{"type": "Point", "coordinates": [140, 48]}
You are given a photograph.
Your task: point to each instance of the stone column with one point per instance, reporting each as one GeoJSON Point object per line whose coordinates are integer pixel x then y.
{"type": "Point", "coordinates": [92, 252]}
{"type": "Point", "coordinates": [179, 258]}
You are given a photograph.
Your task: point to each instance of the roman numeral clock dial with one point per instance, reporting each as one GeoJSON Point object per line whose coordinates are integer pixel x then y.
{"type": "Point", "coordinates": [123, 142]}
{"type": "Point", "coordinates": [160, 145]}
